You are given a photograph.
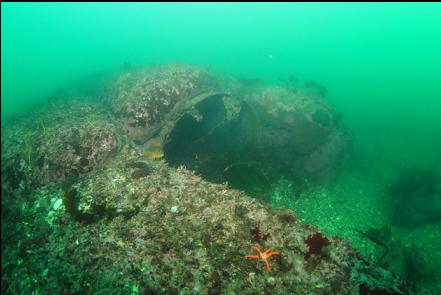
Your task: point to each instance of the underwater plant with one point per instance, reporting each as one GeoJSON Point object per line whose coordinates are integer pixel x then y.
{"type": "Point", "coordinates": [40, 121]}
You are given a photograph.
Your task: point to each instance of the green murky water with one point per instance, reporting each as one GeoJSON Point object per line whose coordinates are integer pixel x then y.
{"type": "Point", "coordinates": [380, 65]}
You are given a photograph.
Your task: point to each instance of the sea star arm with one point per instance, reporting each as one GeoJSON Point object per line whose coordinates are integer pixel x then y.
{"type": "Point", "coordinates": [267, 265]}
{"type": "Point", "coordinates": [256, 249]}
{"type": "Point", "coordinates": [252, 256]}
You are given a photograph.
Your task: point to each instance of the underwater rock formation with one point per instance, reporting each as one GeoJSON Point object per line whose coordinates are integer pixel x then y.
{"type": "Point", "coordinates": [141, 99]}
{"type": "Point", "coordinates": [171, 232]}
{"type": "Point", "coordinates": [255, 136]}
{"type": "Point", "coordinates": [54, 144]}
{"type": "Point", "coordinates": [227, 129]}
{"type": "Point", "coordinates": [99, 215]}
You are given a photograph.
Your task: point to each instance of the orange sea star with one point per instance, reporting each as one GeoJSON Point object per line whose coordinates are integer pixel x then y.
{"type": "Point", "coordinates": [264, 256]}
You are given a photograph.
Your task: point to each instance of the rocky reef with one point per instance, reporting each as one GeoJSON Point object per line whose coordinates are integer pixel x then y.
{"type": "Point", "coordinates": [56, 142]}
{"type": "Point", "coordinates": [224, 127]}
{"type": "Point", "coordinates": [86, 211]}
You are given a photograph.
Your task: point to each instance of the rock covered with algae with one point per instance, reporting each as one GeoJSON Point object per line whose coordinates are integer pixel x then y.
{"type": "Point", "coordinates": [142, 98]}
{"type": "Point", "coordinates": [171, 232]}
{"type": "Point", "coordinates": [92, 214]}
{"type": "Point", "coordinates": [56, 142]}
